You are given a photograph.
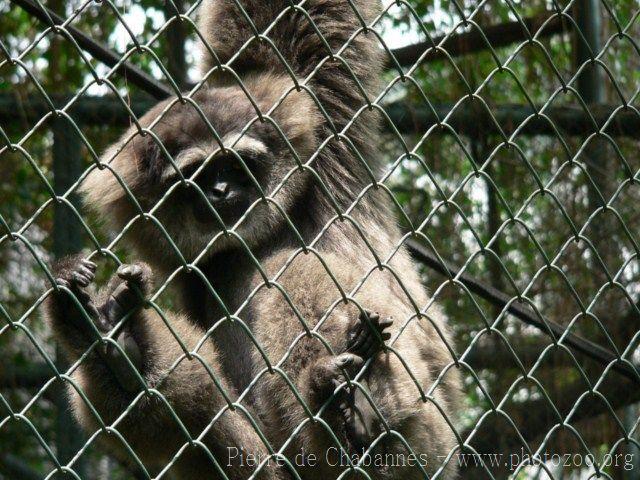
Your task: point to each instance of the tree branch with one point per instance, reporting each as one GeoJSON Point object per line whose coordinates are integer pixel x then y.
{"type": "Point", "coordinates": [536, 417]}
{"type": "Point", "coordinates": [476, 40]}
{"type": "Point", "coordinates": [134, 74]}
{"type": "Point", "coordinates": [548, 327]}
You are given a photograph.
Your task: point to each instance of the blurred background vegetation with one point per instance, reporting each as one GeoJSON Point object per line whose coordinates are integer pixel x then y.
{"type": "Point", "coordinates": [526, 216]}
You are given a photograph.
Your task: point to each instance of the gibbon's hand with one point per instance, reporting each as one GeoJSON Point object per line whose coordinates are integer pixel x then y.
{"type": "Point", "coordinates": [126, 300]}
{"type": "Point", "coordinates": [76, 274]}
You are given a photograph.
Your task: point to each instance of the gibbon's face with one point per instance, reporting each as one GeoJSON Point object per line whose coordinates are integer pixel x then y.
{"type": "Point", "coordinates": [228, 176]}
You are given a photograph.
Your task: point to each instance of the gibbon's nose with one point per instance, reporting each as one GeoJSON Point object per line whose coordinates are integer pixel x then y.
{"type": "Point", "coordinates": [220, 190]}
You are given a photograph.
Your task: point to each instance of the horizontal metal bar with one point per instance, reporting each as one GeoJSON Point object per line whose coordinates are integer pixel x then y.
{"type": "Point", "coordinates": [570, 120]}
{"type": "Point", "coordinates": [474, 119]}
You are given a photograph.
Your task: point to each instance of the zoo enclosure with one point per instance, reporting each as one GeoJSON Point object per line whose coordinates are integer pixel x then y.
{"type": "Point", "coordinates": [607, 132]}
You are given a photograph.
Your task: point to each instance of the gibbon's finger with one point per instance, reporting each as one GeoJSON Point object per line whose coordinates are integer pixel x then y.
{"type": "Point", "coordinates": [346, 408]}
{"type": "Point", "coordinates": [364, 332]}
{"type": "Point", "coordinates": [120, 302]}
{"type": "Point", "coordinates": [359, 341]}
{"type": "Point", "coordinates": [344, 361]}
{"type": "Point", "coordinates": [93, 313]}
{"type": "Point", "coordinates": [372, 316]}
{"type": "Point", "coordinates": [89, 264]}
{"type": "Point", "coordinates": [339, 380]}
{"type": "Point", "coordinates": [80, 279]}
{"type": "Point", "coordinates": [371, 347]}
{"type": "Point", "coordinates": [386, 323]}
{"type": "Point", "coordinates": [346, 411]}
{"type": "Point", "coordinates": [353, 366]}
{"type": "Point", "coordinates": [354, 337]}
{"type": "Point", "coordinates": [87, 272]}
{"type": "Point", "coordinates": [85, 301]}
{"type": "Point", "coordinates": [136, 274]}
{"type": "Point", "coordinates": [130, 272]}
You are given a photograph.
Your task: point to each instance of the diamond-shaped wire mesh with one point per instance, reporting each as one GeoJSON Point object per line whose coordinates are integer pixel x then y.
{"type": "Point", "coordinates": [508, 169]}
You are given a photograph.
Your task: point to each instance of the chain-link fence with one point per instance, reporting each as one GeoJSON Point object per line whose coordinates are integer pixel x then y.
{"type": "Point", "coordinates": [508, 170]}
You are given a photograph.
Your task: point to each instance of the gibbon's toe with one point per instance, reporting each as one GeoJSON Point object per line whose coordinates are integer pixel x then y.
{"type": "Point", "coordinates": [359, 420]}
{"type": "Point", "coordinates": [123, 355]}
{"type": "Point", "coordinates": [329, 372]}
{"type": "Point", "coordinates": [128, 296]}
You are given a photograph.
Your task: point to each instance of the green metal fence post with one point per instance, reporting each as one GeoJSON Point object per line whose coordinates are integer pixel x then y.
{"type": "Point", "coordinates": [67, 167]}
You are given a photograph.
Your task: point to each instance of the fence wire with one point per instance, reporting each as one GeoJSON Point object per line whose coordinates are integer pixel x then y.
{"type": "Point", "coordinates": [522, 216]}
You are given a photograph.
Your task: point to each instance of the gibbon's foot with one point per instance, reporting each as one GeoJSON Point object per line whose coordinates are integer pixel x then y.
{"type": "Point", "coordinates": [360, 418]}
{"type": "Point", "coordinates": [76, 273]}
{"type": "Point", "coordinates": [331, 372]}
{"type": "Point", "coordinates": [354, 408]}
{"type": "Point", "coordinates": [127, 298]}
{"type": "Point", "coordinates": [363, 341]}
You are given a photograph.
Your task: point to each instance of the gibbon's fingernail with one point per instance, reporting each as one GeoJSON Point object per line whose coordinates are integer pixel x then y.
{"type": "Point", "coordinates": [345, 361]}
{"type": "Point", "coordinates": [124, 270]}
{"type": "Point", "coordinates": [86, 272]}
{"type": "Point", "coordinates": [386, 323]}
{"type": "Point", "coordinates": [92, 310]}
{"type": "Point", "coordinates": [80, 280]}
{"type": "Point", "coordinates": [89, 264]}
{"type": "Point", "coordinates": [136, 270]}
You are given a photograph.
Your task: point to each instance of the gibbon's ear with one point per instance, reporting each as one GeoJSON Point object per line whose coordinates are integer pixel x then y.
{"type": "Point", "coordinates": [103, 190]}
{"type": "Point", "coordinates": [129, 161]}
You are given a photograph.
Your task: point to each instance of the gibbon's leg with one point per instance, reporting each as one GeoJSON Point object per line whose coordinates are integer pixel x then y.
{"type": "Point", "coordinates": [188, 388]}
{"type": "Point", "coordinates": [329, 372]}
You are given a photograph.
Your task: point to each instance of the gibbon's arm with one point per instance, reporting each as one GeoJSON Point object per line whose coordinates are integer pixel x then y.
{"type": "Point", "coordinates": [307, 39]}
{"type": "Point", "coordinates": [111, 386]}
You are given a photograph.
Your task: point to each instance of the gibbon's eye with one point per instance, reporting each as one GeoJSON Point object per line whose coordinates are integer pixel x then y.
{"type": "Point", "coordinates": [189, 170]}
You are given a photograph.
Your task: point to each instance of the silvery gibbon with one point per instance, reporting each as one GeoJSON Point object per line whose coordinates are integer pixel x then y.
{"type": "Point", "coordinates": [257, 197]}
